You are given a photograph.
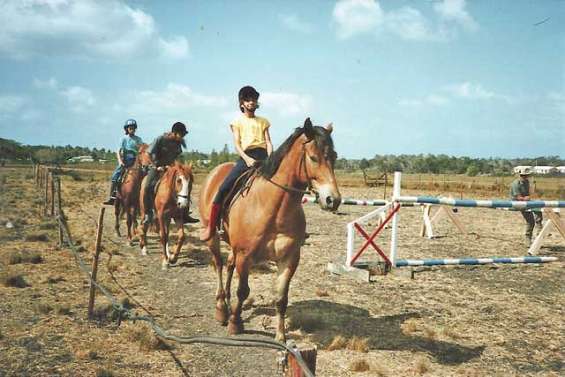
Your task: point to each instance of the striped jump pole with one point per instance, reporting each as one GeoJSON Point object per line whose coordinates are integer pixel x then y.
{"type": "Point", "coordinates": [510, 204]}
{"type": "Point", "coordinates": [349, 201]}
{"type": "Point", "coordinates": [471, 261]}
{"type": "Point", "coordinates": [518, 205]}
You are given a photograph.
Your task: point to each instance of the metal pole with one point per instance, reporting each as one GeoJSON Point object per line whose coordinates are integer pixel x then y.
{"type": "Point", "coordinates": [95, 262]}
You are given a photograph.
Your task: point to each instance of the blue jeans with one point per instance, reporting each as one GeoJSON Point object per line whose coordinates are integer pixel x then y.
{"type": "Point", "coordinates": [239, 168]}
{"type": "Point", "coordinates": [129, 160]}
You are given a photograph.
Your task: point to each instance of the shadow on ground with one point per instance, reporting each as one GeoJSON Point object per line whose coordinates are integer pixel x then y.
{"type": "Point", "coordinates": [325, 320]}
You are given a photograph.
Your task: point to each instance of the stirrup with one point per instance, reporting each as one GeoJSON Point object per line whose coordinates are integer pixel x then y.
{"type": "Point", "coordinates": [110, 201]}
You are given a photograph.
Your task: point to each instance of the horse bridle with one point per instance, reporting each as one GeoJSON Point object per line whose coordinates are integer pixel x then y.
{"type": "Point", "coordinates": [309, 186]}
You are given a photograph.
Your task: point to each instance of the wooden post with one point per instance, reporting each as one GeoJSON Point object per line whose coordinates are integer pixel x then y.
{"type": "Point", "coordinates": [95, 261]}
{"type": "Point", "coordinates": [46, 191]}
{"type": "Point", "coordinates": [52, 194]}
{"type": "Point", "coordinates": [308, 353]}
{"type": "Point", "coordinates": [59, 211]}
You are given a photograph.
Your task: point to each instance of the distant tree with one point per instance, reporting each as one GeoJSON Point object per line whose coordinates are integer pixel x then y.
{"type": "Point", "coordinates": [472, 170]}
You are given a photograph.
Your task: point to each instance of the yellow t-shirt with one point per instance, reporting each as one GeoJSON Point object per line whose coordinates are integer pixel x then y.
{"type": "Point", "coordinates": [251, 131]}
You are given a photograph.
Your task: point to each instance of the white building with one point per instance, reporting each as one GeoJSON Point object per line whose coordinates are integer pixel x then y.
{"type": "Point", "coordinates": [544, 169]}
{"type": "Point", "coordinates": [81, 159]}
{"type": "Point", "coordinates": [560, 169]}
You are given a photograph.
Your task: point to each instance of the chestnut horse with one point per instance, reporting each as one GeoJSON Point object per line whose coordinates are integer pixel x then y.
{"type": "Point", "coordinates": [127, 200]}
{"type": "Point", "coordinates": [266, 221]}
{"type": "Point", "coordinates": [171, 199]}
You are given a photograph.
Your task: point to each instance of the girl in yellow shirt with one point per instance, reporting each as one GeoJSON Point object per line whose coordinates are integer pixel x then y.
{"type": "Point", "coordinates": [252, 142]}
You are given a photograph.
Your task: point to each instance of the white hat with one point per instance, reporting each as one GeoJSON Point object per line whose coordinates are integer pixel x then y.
{"type": "Point", "coordinates": [525, 170]}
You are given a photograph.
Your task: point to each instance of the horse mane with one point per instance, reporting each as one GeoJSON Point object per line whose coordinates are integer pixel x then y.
{"type": "Point", "coordinates": [322, 138]}
{"type": "Point", "coordinates": [186, 169]}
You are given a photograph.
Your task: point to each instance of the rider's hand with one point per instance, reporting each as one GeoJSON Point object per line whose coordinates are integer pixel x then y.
{"type": "Point", "coordinates": [249, 162]}
{"type": "Point", "coordinates": [160, 168]}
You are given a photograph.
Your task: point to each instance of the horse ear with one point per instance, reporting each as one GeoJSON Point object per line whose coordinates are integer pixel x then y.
{"type": "Point", "coordinates": [330, 127]}
{"type": "Point", "coordinates": [308, 128]}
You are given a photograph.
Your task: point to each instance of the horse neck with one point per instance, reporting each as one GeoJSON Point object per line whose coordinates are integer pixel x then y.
{"type": "Point", "coordinates": [291, 171]}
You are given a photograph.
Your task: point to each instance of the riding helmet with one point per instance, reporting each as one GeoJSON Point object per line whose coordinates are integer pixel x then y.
{"type": "Point", "coordinates": [130, 123]}
{"type": "Point", "coordinates": [179, 128]}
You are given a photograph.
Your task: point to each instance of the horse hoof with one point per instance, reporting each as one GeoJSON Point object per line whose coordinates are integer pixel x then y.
{"type": "Point", "coordinates": [144, 250]}
{"type": "Point", "coordinates": [235, 328]}
{"type": "Point", "coordinates": [222, 315]}
{"type": "Point", "coordinates": [173, 259]}
{"type": "Point", "coordinates": [130, 243]}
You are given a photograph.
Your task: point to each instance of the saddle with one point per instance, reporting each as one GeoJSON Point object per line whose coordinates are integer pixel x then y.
{"type": "Point", "coordinates": [239, 189]}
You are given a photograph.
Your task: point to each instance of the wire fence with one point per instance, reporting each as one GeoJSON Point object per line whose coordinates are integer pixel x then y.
{"type": "Point", "coordinates": [47, 179]}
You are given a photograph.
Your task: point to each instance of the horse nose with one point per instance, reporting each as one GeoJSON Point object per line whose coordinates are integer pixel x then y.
{"type": "Point", "coordinates": [333, 202]}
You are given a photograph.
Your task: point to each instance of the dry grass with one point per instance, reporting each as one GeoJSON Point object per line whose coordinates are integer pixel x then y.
{"type": "Point", "coordinates": [13, 280]}
{"type": "Point", "coordinates": [421, 366]}
{"type": "Point", "coordinates": [36, 237]}
{"type": "Point", "coordinates": [448, 332]}
{"type": "Point", "coordinates": [360, 365]}
{"type": "Point", "coordinates": [104, 373]}
{"type": "Point", "coordinates": [24, 256]}
{"type": "Point", "coordinates": [338, 343]}
{"type": "Point", "coordinates": [409, 326]}
{"type": "Point", "coordinates": [308, 322]}
{"type": "Point", "coordinates": [42, 308]}
{"type": "Point", "coordinates": [358, 344]}
{"type": "Point", "coordinates": [430, 333]}
{"type": "Point", "coordinates": [145, 337]}
{"type": "Point", "coordinates": [321, 292]}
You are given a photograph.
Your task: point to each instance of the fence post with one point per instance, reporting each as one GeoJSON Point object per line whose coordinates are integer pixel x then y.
{"type": "Point", "coordinates": [308, 353]}
{"type": "Point", "coordinates": [95, 262]}
{"type": "Point", "coordinates": [46, 191]}
{"type": "Point", "coordinates": [59, 211]}
{"type": "Point", "coordinates": [52, 195]}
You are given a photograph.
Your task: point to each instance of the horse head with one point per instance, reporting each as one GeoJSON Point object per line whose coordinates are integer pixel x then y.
{"type": "Point", "coordinates": [183, 183]}
{"type": "Point", "coordinates": [319, 161]}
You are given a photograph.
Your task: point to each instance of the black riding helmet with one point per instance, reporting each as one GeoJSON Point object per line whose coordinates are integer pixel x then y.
{"type": "Point", "coordinates": [130, 123]}
{"type": "Point", "coordinates": [179, 128]}
{"type": "Point", "coordinates": [247, 92]}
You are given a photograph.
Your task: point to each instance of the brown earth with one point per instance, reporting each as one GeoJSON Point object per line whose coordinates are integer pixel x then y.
{"type": "Point", "coordinates": [498, 320]}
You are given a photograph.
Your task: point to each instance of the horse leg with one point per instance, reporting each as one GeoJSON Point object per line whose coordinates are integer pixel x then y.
{"type": "Point", "coordinates": [235, 325]}
{"type": "Point", "coordinates": [180, 240]}
{"type": "Point", "coordinates": [229, 275]}
{"type": "Point", "coordinates": [286, 269]}
{"type": "Point", "coordinates": [117, 209]}
{"type": "Point", "coordinates": [164, 238]}
{"type": "Point", "coordinates": [129, 221]}
{"type": "Point", "coordinates": [221, 313]}
{"type": "Point", "coordinates": [143, 238]}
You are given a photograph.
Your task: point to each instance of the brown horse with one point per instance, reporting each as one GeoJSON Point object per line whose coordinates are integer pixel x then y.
{"type": "Point", "coordinates": [127, 201]}
{"type": "Point", "coordinates": [266, 222]}
{"type": "Point", "coordinates": [171, 199]}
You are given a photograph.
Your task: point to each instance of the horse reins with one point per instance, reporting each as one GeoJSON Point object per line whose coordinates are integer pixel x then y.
{"type": "Point", "coordinates": [309, 180]}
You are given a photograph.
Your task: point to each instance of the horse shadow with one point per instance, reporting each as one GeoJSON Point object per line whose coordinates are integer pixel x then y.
{"type": "Point", "coordinates": [325, 320]}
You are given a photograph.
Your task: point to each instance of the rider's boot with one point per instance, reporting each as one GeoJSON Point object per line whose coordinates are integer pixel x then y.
{"type": "Point", "coordinates": [112, 195]}
{"type": "Point", "coordinates": [210, 230]}
{"type": "Point", "coordinates": [187, 219]}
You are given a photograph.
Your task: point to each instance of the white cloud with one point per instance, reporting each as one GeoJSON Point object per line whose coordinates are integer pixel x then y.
{"type": "Point", "coordinates": [86, 29]}
{"type": "Point", "coordinates": [454, 10]}
{"type": "Point", "coordinates": [173, 99]}
{"type": "Point", "coordinates": [286, 104]}
{"type": "Point", "coordinates": [469, 90]}
{"type": "Point", "coordinates": [356, 17]}
{"type": "Point", "coordinates": [79, 98]}
{"type": "Point", "coordinates": [408, 23]}
{"type": "Point", "coordinates": [50, 83]}
{"type": "Point", "coordinates": [292, 22]}
{"type": "Point", "coordinates": [366, 16]}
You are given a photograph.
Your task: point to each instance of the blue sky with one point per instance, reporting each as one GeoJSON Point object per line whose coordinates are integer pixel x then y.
{"type": "Point", "coordinates": [465, 78]}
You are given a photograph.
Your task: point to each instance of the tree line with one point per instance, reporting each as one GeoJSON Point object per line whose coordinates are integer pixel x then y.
{"type": "Point", "coordinates": [420, 163]}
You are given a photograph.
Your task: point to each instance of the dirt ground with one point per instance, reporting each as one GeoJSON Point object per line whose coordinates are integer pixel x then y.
{"type": "Point", "coordinates": [497, 320]}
